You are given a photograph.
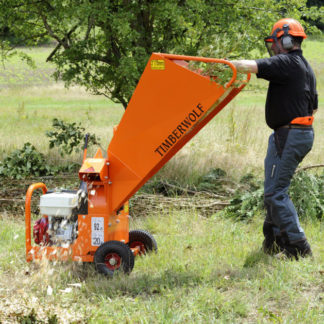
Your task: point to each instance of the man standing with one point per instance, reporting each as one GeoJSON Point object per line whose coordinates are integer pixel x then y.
{"type": "Point", "coordinates": [290, 106]}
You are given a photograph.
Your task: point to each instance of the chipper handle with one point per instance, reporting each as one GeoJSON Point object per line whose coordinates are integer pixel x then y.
{"type": "Point", "coordinates": [85, 146]}
{"type": "Point", "coordinates": [205, 60]}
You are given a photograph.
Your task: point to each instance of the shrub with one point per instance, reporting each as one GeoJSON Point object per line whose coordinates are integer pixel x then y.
{"type": "Point", "coordinates": [212, 181]}
{"type": "Point", "coordinates": [306, 192]}
{"type": "Point", "coordinates": [68, 137]}
{"type": "Point", "coordinates": [247, 200]}
{"type": "Point", "coordinates": [26, 162]}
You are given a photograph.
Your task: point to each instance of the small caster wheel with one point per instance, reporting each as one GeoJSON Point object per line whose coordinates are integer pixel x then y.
{"type": "Point", "coordinates": [142, 239]}
{"type": "Point", "coordinates": [113, 256]}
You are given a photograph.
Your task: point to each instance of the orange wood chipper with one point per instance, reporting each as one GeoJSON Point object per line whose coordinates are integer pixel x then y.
{"type": "Point", "coordinates": [170, 104]}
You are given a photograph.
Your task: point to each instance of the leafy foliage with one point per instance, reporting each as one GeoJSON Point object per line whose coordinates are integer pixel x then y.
{"type": "Point", "coordinates": [306, 192]}
{"type": "Point", "coordinates": [247, 200]}
{"type": "Point", "coordinates": [166, 188]}
{"type": "Point", "coordinates": [104, 45]}
{"type": "Point", "coordinates": [212, 180]}
{"type": "Point", "coordinates": [26, 162]}
{"type": "Point", "coordinates": [220, 73]}
{"type": "Point", "coordinates": [68, 137]}
{"type": "Point", "coordinates": [315, 14]}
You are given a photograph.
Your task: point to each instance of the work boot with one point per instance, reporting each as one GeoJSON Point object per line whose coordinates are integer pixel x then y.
{"type": "Point", "coordinates": [298, 249]}
{"type": "Point", "coordinates": [272, 244]}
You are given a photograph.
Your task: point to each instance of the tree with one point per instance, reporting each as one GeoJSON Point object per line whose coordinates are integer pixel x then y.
{"type": "Point", "coordinates": [315, 14]}
{"type": "Point", "coordinates": [104, 45]}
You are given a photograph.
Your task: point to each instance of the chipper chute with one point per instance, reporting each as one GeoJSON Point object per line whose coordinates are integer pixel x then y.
{"type": "Point", "coordinates": [170, 104]}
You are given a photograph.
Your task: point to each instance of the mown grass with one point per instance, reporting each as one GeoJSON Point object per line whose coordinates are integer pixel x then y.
{"type": "Point", "coordinates": [207, 270]}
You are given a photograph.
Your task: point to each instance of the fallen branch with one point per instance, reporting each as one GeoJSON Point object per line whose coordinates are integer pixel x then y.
{"type": "Point", "coordinates": [310, 167]}
{"type": "Point", "coordinates": [192, 191]}
{"type": "Point", "coordinates": [142, 204]}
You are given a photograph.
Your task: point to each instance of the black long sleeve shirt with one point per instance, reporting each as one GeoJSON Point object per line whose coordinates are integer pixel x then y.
{"type": "Point", "coordinates": [292, 88]}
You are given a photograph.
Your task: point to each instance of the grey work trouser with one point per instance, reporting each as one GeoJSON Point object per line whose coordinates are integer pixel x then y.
{"type": "Point", "coordinates": [280, 165]}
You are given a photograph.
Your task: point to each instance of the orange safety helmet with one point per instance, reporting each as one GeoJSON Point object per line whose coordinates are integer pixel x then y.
{"type": "Point", "coordinates": [285, 29]}
{"type": "Point", "coordinates": [295, 28]}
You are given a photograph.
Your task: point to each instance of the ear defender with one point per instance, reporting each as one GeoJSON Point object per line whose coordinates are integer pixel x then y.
{"type": "Point", "coordinates": [286, 40]}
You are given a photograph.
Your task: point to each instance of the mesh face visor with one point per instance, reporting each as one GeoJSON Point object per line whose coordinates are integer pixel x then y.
{"type": "Point", "coordinates": [269, 42]}
{"type": "Point", "coordinates": [272, 41]}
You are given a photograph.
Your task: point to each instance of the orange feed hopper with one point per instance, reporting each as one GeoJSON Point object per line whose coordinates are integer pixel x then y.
{"type": "Point", "coordinates": [169, 106]}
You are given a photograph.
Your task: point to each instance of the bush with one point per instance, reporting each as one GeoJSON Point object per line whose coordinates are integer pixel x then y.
{"type": "Point", "coordinates": [306, 192]}
{"type": "Point", "coordinates": [212, 181]}
{"type": "Point", "coordinates": [248, 199]}
{"type": "Point", "coordinates": [68, 137]}
{"type": "Point", "coordinates": [28, 162]}
{"type": "Point", "coordinates": [24, 162]}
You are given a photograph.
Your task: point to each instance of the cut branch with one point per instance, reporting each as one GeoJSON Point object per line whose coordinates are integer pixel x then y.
{"type": "Point", "coordinates": [310, 167]}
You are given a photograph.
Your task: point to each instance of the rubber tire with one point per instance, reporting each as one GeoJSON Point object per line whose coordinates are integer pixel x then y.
{"type": "Point", "coordinates": [145, 238]}
{"type": "Point", "coordinates": [119, 248]}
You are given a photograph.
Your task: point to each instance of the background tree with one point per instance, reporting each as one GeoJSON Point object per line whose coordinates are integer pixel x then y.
{"type": "Point", "coordinates": [315, 14]}
{"type": "Point", "coordinates": [104, 45]}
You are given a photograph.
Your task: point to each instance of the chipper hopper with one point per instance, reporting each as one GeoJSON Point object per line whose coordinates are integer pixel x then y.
{"type": "Point", "coordinates": [170, 104]}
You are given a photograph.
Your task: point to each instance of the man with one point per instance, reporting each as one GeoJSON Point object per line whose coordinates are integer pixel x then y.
{"type": "Point", "coordinates": [290, 105]}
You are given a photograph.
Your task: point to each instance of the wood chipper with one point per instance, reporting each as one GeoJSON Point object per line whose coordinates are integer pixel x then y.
{"type": "Point", "coordinates": [170, 104]}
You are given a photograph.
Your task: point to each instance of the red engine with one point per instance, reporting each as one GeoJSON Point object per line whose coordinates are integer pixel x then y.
{"type": "Point", "coordinates": [40, 234]}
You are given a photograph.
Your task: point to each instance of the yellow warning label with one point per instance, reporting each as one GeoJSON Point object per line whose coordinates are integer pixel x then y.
{"type": "Point", "coordinates": [126, 208]}
{"type": "Point", "coordinates": [158, 65]}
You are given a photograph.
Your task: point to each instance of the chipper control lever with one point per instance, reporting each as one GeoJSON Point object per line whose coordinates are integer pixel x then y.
{"type": "Point", "coordinates": [85, 146]}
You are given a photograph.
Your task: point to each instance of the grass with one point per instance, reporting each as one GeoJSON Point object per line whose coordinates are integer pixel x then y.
{"type": "Point", "coordinates": [28, 112]}
{"type": "Point", "coordinates": [207, 270]}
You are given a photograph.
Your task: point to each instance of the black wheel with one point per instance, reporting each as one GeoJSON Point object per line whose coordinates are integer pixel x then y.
{"type": "Point", "coordinates": [144, 240]}
{"type": "Point", "coordinates": [113, 256]}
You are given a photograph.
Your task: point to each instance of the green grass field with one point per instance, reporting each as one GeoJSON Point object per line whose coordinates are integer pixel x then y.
{"type": "Point", "coordinates": [207, 269]}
